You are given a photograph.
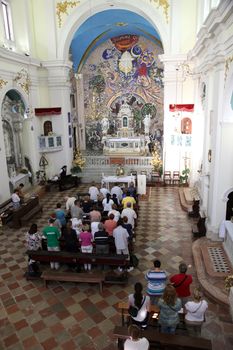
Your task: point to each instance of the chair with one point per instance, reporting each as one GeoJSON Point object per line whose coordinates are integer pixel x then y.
{"type": "Point", "coordinates": [155, 177]}
{"type": "Point", "coordinates": [176, 177]}
{"type": "Point", "coordinates": [167, 178]}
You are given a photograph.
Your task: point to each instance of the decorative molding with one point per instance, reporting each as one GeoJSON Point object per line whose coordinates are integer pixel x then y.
{"type": "Point", "coordinates": [2, 83]}
{"type": "Point", "coordinates": [23, 79]}
{"type": "Point", "coordinates": [227, 66]}
{"type": "Point", "coordinates": [164, 4]}
{"type": "Point", "coordinates": [62, 8]}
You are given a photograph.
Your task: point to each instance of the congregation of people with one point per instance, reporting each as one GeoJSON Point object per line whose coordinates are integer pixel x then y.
{"type": "Point", "coordinates": [103, 222]}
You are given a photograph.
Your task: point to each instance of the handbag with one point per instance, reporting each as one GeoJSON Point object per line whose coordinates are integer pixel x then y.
{"type": "Point", "coordinates": [133, 310]}
{"type": "Point", "coordinates": [180, 283]}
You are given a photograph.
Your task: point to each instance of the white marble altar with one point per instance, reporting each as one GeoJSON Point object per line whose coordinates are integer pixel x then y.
{"type": "Point", "coordinates": [117, 179]}
{"type": "Point", "coordinates": [135, 145]}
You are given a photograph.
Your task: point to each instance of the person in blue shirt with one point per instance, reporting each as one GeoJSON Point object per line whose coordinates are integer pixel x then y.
{"type": "Point", "coordinates": [60, 215]}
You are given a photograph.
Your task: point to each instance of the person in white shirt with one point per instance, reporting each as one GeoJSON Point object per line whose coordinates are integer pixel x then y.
{"type": "Point", "coordinates": [135, 342]}
{"type": "Point", "coordinates": [115, 212]}
{"type": "Point", "coordinates": [93, 192]}
{"type": "Point", "coordinates": [195, 314]}
{"type": "Point", "coordinates": [69, 202]}
{"type": "Point", "coordinates": [104, 191]}
{"type": "Point", "coordinates": [15, 199]}
{"type": "Point", "coordinates": [130, 213]}
{"type": "Point", "coordinates": [121, 236]}
{"type": "Point", "coordinates": [118, 191]}
{"type": "Point", "coordinates": [107, 204]}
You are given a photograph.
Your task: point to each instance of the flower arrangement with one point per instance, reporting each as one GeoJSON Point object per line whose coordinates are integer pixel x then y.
{"type": "Point", "coordinates": [228, 282]}
{"type": "Point", "coordinates": [156, 161]}
{"type": "Point", "coordinates": [78, 162]}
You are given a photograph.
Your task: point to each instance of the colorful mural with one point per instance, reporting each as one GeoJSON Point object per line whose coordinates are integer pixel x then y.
{"type": "Point", "coordinates": [125, 69]}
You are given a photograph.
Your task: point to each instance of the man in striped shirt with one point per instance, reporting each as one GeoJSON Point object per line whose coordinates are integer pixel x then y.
{"type": "Point", "coordinates": [157, 280]}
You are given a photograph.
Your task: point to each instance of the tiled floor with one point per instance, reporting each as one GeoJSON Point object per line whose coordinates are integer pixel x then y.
{"type": "Point", "coordinates": [69, 316]}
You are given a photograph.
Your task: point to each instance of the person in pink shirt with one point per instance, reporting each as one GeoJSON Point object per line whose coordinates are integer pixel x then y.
{"type": "Point", "coordinates": [95, 214]}
{"type": "Point", "coordinates": [85, 238]}
{"type": "Point", "coordinates": [110, 224]}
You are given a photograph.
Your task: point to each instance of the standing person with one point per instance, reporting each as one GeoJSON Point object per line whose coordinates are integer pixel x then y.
{"type": "Point", "coordinates": [121, 236]}
{"type": "Point", "coordinates": [86, 204]}
{"type": "Point", "coordinates": [107, 204]}
{"type": "Point", "coordinates": [69, 203]}
{"type": "Point", "coordinates": [142, 304]}
{"type": "Point", "coordinates": [104, 191]}
{"type": "Point", "coordinates": [62, 177]}
{"type": "Point", "coordinates": [128, 199]}
{"type": "Point", "coordinates": [60, 215]}
{"type": "Point", "coordinates": [93, 192]}
{"type": "Point", "coordinates": [52, 234]}
{"type": "Point", "coordinates": [132, 190]}
{"type": "Point", "coordinates": [118, 191]}
{"type": "Point", "coordinates": [115, 212]}
{"type": "Point", "coordinates": [169, 306]}
{"type": "Point", "coordinates": [15, 199]}
{"type": "Point", "coordinates": [110, 224]}
{"type": "Point", "coordinates": [85, 238]}
{"type": "Point", "coordinates": [195, 314]}
{"type": "Point", "coordinates": [181, 282]}
{"type": "Point", "coordinates": [101, 240]}
{"type": "Point", "coordinates": [76, 211]}
{"type": "Point", "coordinates": [130, 213]}
{"type": "Point", "coordinates": [70, 237]}
{"type": "Point", "coordinates": [135, 342]}
{"type": "Point", "coordinates": [157, 279]}
{"type": "Point", "coordinates": [95, 214]}
{"type": "Point", "coordinates": [33, 242]}
{"type": "Point", "coordinates": [21, 193]}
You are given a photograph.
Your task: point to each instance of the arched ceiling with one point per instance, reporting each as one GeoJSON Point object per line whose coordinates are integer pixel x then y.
{"type": "Point", "coordinates": [105, 25]}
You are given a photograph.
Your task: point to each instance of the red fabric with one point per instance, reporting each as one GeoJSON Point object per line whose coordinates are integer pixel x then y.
{"type": "Point", "coordinates": [40, 112]}
{"type": "Point", "coordinates": [184, 108]}
{"type": "Point", "coordinates": [124, 42]}
{"type": "Point", "coordinates": [183, 290]}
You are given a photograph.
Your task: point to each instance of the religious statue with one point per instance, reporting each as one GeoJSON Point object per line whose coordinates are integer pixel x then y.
{"type": "Point", "coordinates": [147, 122]}
{"type": "Point", "coordinates": [105, 125]}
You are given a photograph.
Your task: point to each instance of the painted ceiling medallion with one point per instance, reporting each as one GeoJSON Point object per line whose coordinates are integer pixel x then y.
{"type": "Point", "coordinates": [121, 24]}
{"type": "Point", "coordinates": [125, 63]}
{"type": "Point", "coordinates": [164, 4]}
{"type": "Point", "coordinates": [62, 8]}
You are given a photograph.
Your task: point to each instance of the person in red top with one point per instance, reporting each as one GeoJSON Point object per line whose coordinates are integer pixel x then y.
{"type": "Point", "coordinates": [110, 224]}
{"type": "Point", "coordinates": [181, 282]}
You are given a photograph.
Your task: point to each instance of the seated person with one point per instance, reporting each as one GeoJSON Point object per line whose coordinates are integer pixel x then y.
{"type": "Point", "coordinates": [135, 342]}
{"type": "Point", "coordinates": [21, 193]}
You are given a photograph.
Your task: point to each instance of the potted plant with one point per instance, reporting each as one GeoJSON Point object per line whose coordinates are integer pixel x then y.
{"type": "Point", "coordinates": [184, 176]}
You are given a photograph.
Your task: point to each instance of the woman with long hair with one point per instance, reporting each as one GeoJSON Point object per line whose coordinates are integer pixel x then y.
{"type": "Point", "coordinates": [33, 238]}
{"type": "Point", "coordinates": [136, 341]}
{"type": "Point", "coordinates": [107, 204]}
{"type": "Point", "coordinates": [195, 313]}
{"type": "Point", "coordinates": [169, 306]}
{"type": "Point", "coordinates": [141, 303]}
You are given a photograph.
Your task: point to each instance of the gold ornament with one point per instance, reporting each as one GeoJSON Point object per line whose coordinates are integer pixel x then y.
{"type": "Point", "coordinates": [156, 161]}
{"type": "Point", "coordinates": [164, 4]}
{"type": "Point", "coordinates": [2, 83]}
{"type": "Point", "coordinates": [23, 79]}
{"type": "Point", "coordinates": [228, 282]}
{"type": "Point", "coordinates": [62, 8]}
{"type": "Point", "coordinates": [78, 159]}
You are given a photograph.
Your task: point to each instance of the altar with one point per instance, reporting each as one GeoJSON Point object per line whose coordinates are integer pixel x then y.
{"type": "Point", "coordinates": [106, 180]}
{"type": "Point", "coordinates": [125, 145]}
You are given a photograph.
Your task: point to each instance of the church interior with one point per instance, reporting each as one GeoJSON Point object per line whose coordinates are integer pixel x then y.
{"type": "Point", "coordinates": [104, 93]}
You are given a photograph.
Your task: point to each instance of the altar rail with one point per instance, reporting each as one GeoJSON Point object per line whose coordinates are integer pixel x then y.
{"type": "Point", "coordinates": [105, 161]}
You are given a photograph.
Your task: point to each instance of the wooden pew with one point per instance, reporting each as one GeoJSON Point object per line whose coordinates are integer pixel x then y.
{"type": "Point", "coordinates": [25, 212]}
{"type": "Point", "coordinates": [74, 277]}
{"type": "Point", "coordinates": [165, 341]}
{"type": "Point", "coordinates": [123, 307]}
{"type": "Point", "coordinates": [86, 258]}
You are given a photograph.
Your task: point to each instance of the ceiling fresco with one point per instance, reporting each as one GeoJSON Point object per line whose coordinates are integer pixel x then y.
{"type": "Point", "coordinates": [105, 25]}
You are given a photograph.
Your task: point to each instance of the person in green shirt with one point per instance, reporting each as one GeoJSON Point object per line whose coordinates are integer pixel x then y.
{"type": "Point", "coordinates": [52, 234]}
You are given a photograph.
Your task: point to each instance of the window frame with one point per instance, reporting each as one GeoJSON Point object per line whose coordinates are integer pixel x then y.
{"type": "Point", "coordinates": [7, 21]}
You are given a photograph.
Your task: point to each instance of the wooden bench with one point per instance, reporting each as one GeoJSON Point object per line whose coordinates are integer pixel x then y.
{"type": "Point", "coordinates": [74, 277]}
{"type": "Point", "coordinates": [24, 219]}
{"type": "Point", "coordinates": [86, 258]}
{"type": "Point", "coordinates": [165, 341]}
{"type": "Point", "coordinates": [123, 307]}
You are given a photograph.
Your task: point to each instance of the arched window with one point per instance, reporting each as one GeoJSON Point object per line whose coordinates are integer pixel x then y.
{"type": "Point", "coordinates": [47, 127]}
{"type": "Point", "coordinates": [186, 126]}
{"type": "Point", "coordinates": [125, 122]}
